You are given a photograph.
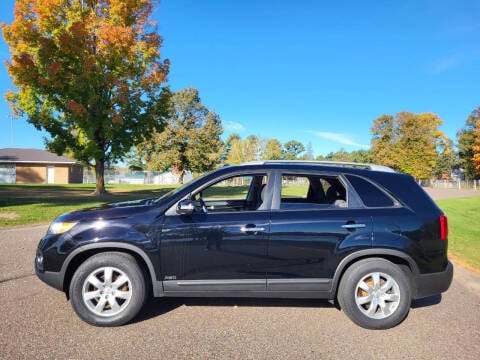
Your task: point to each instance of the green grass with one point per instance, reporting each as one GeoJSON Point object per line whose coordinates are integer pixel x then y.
{"type": "Point", "coordinates": [464, 229]}
{"type": "Point", "coordinates": [294, 190]}
{"type": "Point", "coordinates": [29, 204]}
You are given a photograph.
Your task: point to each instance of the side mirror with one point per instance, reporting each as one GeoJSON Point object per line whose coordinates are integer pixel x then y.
{"type": "Point", "coordinates": [185, 207]}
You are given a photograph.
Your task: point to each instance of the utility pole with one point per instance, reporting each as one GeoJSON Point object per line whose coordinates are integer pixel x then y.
{"type": "Point", "coordinates": [11, 129]}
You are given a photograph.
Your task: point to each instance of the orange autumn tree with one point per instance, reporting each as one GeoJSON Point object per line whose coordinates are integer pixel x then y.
{"type": "Point", "coordinates": [89, 73]}
{"type": "Point", "coordinates": [476, 149]}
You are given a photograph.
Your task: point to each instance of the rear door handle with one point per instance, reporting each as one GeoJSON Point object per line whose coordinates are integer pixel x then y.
{"type": "Point", "coordinates": [353, 226]}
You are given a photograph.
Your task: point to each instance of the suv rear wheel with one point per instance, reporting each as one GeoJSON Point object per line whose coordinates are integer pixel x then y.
{"type": "Point", "coordinates": [108, 289]}
{"type": "Point", "coordinates": [375, 294]}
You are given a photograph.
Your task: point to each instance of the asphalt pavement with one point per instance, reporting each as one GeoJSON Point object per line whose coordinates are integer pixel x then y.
{"type": "Point", "coordinates": [37, 322]}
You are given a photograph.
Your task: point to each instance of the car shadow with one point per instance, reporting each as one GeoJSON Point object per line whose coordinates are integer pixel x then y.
{"type": "Point", "coordinates": [159, 306]}
{"type": "Point", "coordinates": [428, 301]}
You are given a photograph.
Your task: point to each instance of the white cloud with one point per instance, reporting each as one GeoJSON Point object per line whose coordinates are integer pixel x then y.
{"type": "Point", "coordinates": [343, 139]}
{"type": "Point", "coordinates": [233, 126]}
{"type": "Point", "coordinates": [446, 64]}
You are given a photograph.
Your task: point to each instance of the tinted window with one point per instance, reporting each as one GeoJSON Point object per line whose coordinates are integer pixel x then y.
{"type": "Point", "coordinates": [294, 187]}
{"type": "Point", "coordinates": [238, 193]}
{"type": "Point", "coordinates": [311, 191]}
{"type": "Point", "coordinates": [235, 188]}
{"type": "Point", "coordinates": [369, 193]}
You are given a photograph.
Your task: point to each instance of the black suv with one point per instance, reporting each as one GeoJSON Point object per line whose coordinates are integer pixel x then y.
{"type": "Point", "coordinates": [363, 235]}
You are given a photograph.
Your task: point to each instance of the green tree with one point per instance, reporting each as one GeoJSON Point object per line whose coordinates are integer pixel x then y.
{"type": "Point", "coordinates": [243, 150]}
{"type": "Point", "coordinates": [446, 159]}
{"type": "Point", "coordinates": [236, 151]}
{"type": "Point", "coordinates": [361, 156]}
{"type": "Point", "coordinates": [228, 146]}
{"type": "Point", "coordinates": [408, 142]}
{"type": "Point", "coordinates": [292, 150]}
{"type": "Point", "coordinates": [340, 155]}
{"type": "Point", "coordinates": [253, 145]}
{"type": "Point", "coordinates": [384, 140]}
{"type": "Point", "coordinates": [358, 156]}
{"type": "Point", "coordinates": [89, 73]}
{"type": "Point", "coordinates": [465, 143]}
{"type": "Point", "coordinates": [135, 161]}
{"type": "Point", "coordinates": [271, 150]}
{"type": "Point", "coordinates": [190, 140]}
{"type": "Point", "coordinates": [309, 155]}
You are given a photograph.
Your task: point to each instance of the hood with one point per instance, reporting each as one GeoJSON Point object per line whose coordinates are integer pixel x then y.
{"type": "Point", "coordinates": [132, 203]}
{"type": "Point", "coordinates": [111, 211]}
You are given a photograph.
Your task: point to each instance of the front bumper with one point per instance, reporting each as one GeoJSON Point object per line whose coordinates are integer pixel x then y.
{"type": "Point", "coordinates": [432, 284]}
{"type": "Point", "coordinates": [54, 279]}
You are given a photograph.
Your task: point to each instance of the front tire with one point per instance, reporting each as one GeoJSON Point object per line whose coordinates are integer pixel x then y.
{"type": "Point", "coordinates": [375, 294]}
{"type": "Point", "coordinates": [108, 289]}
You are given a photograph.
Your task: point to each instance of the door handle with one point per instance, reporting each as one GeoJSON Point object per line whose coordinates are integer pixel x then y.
{"type": "Point", "coordinates": [251, 229]}
{"type": "Point", "coordinates": [353, 226]}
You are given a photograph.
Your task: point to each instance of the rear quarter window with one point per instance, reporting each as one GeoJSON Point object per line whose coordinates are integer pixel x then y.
{"type": "Point", "coordinates": [371, 195]}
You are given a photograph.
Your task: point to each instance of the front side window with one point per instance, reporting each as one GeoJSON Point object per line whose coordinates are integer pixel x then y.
{"type": "Point", "coordinates": [312, 191]}
{"type": "Point", "coordinates": [237, 193]}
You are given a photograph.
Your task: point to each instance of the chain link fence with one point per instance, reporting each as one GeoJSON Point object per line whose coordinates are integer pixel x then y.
{"type": "Point", "coordinates": [451, 184]}
{"type": "Point", "coordinates": [136, 177]}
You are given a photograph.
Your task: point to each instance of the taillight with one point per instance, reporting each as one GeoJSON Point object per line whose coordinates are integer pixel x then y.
{"type": "Point", "coordinates": [443, 227]}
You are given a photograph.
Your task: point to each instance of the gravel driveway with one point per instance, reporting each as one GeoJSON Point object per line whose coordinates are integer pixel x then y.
{"type": "Point", "coordinates": [36, 322]}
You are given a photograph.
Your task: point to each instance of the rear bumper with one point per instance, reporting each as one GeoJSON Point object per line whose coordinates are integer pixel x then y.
{"type": "Point", "coordinates": [432, 284]}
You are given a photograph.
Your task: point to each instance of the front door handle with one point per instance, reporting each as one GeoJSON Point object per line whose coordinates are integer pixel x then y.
{"type": "Point", "coordinates": [251, 229]}
{"type": "Point", "coordinates": [353, 226]}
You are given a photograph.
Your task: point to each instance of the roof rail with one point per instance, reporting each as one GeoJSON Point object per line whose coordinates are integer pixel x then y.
{"type": "Point", "coordinates": [367, 166]}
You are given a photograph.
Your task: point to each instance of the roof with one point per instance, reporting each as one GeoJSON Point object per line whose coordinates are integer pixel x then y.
{"type": "Point", "coordinates": [373, 167]}
{"type": "Point", "coordinates": [15, 155]}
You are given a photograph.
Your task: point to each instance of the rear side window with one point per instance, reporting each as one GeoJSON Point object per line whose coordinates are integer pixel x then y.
{"type": "Point", "coordinates": [312, 192]}
{"type": "Point", "coordinates": [294, 187]}
{"type": "Point", "coordinates": [371, 195]}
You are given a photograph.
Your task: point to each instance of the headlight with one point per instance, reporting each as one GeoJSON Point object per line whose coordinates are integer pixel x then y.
{"type": "Point", "coordinates": [60, 227]}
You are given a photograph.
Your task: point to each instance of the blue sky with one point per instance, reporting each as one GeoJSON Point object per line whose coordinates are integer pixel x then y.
{"type": "Point", "coordinates": [315, 71]}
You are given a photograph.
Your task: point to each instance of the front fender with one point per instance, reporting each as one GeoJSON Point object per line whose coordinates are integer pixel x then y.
{"type": "Point", "coordinates": [149, 260]}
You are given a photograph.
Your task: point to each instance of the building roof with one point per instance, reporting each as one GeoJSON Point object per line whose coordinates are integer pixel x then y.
{"type": "Point", "coordinates": [14, 155]}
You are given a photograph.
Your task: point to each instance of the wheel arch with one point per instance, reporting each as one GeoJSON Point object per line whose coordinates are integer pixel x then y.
{"type": "Point", "coordinates": [78, 256]}
{"type": "Point", "coordinates": [406, 263]}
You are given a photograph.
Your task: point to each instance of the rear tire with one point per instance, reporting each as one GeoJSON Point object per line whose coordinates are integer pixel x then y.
{"type": "Point", "coordinates": [375, 294]}
{"type": "Point", "coordinates": [108, 289]}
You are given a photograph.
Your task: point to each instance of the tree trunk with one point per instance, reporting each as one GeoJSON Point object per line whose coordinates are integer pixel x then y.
{"type": "Point", "coordinates": [178, 170]}
{"type": "Point", "coordinates": [180, 176]}
{"type": "Point", "coordinates": [99, 176]}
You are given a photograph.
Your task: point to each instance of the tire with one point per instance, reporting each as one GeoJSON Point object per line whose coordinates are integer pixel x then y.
{"type": "Point", "coordinates": [108, 289]}
{"type": "Point", "coordinates": [375, 294]}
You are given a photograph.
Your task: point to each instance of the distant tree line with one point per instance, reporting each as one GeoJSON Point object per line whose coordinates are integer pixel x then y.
{"type": "Point", "coordinates": [407, 142]}
{"type": "Point", "coordinates": [254, 148]}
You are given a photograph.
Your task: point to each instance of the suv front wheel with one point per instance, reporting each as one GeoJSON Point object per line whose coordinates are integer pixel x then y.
{"type": "Point", "coordinates": [375, 294]}
{"type": "Point", "coordinates": [108, 289]}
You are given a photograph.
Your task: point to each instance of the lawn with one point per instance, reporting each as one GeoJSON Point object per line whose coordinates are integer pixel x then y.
{"type": "Point", "coordinates": [29, 204]}
{"type": "Point", "coordinates": [464, 229]}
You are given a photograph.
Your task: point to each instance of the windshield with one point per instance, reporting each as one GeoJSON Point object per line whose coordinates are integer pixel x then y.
{"type": "Point", "coordinates": [177, 190]}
